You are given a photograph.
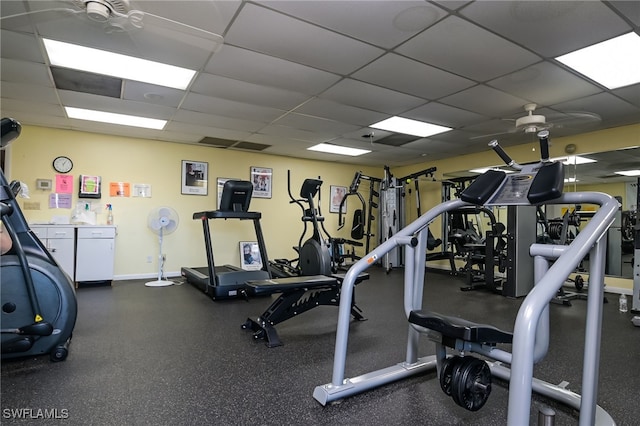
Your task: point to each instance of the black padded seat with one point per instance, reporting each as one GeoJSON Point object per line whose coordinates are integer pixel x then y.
{"type": "Point", "coordinates": [459, 328]}
{"type": "Point", "coordinates": [279, 285]}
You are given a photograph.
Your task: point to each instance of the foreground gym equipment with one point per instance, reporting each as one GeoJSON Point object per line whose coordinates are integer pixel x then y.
{"type": "Point", "coordinates": [466, 380]}
{"type": "Point", "coordinates": [39, 305]}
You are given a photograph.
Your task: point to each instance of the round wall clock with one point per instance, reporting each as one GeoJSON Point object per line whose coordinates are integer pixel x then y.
{"type": "Point", "coordinates": [62, 164]}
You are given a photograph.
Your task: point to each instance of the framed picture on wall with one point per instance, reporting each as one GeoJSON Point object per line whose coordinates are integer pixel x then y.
{"type": "Point", "coordinates": [194, 177]}
{"type": "Point", "coordinates": [250, 256]}
{"type": "Point", "coordinates": [261, 177]}
{"type": "Point", "coordinates": [89, 187]}
{"type": "Point", "coordinates": [337, 194]}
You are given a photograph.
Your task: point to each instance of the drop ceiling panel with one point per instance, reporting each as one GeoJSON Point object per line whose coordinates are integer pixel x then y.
{"type": "Point", "coordinates": [25, 72]}
{"type": "Point", "coordinates": [606, 105]}
{"type": "Point", "coordinates": [211, 16]}
{"type": "Point", "coordinates": [382, 23]}
{"type": "Point", "coordinates": [549, 28]}
{"type": "Point", "coordinates": [208, 120]}
{"type": "Point", "coordinates": [630, 94]}
{"type": "Point", "coordinates": [629, 8]}
{"type": "Point", "coordinates": [19, 46]}
{"type": "Point", "coordinates": [314, 124]}
{"type": "Point", "coordinates": [412, 77]}
{"type": "Point", "coordinates": [444, 115]}
{"type": "Point", "coordinates": [211, 131]}
{"type": "Point", "coordinates": [471, 44]}
{"type": "Point", "coordinates": [544, 83]}
{"type": "Point", "coordinates": [240, 64]}
{"type": "Point", "coordinates": [227, 108]}
{"type": "Point", "coordinates": [152, 94]}
{"type": "Point", "coordinates": [34, 93]}
{"type": "Point", "coordinates": [299, 134]}
{"type": "Point", "coordinates": [40, 111]}
{"type": "Point", "coordinates": [368, 96]}
{"type": "Point", "coordinates": [273, 33]}
{"type": "Point", "coordinates": [485, 101]}
{"type": "Point", "coordinates": [236, 90]}
{"type": "Point", "coordinates": [340, 112]}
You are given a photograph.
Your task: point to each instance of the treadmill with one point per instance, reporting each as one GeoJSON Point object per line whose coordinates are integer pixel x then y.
{"type": "Point", "coordinates": [228, 281]}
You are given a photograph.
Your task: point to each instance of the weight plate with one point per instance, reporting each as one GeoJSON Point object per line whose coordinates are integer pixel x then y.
{"type": "Point", "coordinates": [579, 282]}
{"type": "Point", "coordinates": [447, 373]}
{"type": "Point", "coordinates": [472, 384]}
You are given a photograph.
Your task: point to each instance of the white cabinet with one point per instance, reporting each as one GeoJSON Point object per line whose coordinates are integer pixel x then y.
{"type": "Point", "coordinates": [60, 242]}
{"type": "Point", "coordinates": [95, 254]}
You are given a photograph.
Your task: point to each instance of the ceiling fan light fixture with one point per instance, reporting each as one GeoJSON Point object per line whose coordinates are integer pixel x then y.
{"type": "Point", "coordinates": [98, 11]}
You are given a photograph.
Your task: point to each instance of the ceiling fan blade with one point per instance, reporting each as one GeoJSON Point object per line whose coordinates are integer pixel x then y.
{"type": "Point", "coordinates": [28, 21]}
{"type": "Point", "coordinates": [181, 33]}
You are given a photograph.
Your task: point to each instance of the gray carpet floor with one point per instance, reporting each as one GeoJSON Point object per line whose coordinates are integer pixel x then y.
{"type": "Point", "coordinates": [172, 356]}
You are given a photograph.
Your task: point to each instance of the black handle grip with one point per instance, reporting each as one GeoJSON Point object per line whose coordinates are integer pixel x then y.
{"type": "Point", "coordinates": [543, 137]}
{"type": "Point", "coordinates": [498, 149]}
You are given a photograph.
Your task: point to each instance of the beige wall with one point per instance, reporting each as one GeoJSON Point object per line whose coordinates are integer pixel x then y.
{"type": "Point", "coordinates": [132, 160]}
{"type": "Point", "coordinates": [159, 164]}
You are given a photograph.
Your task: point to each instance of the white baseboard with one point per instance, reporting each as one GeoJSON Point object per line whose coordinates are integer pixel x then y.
{"type": "Point", "coordinates": [144, 276]}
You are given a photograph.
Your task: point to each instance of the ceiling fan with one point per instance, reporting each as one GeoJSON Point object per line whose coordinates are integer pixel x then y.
{"type": "Point", "coordinates": [533, 123]}
{"type": "Point", "coordinates": [106, 24]}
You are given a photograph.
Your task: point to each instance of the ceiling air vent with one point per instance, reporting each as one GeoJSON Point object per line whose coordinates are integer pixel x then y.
{"type": "Point", "coordinates": [251, 146]}
{"type": "Point", "coordinates": [220, 143]}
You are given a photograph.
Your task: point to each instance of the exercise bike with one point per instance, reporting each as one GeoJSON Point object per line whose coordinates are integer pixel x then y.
{"type": "Point", "coordinates": [39, 306]}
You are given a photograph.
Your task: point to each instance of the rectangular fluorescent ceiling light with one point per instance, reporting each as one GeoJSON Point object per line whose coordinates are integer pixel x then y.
{"type": "Point", "coordinates": [613, 63]}
{"type": "Point", "coordinates": [570, 180]}
{"type": "Point", "coordinates": [409, 127]}
{"type": "Point", "coordinates": [574, 160]}
{"type": "Point", "coordinates": [336, 149]}
{"type": "Point", "coordinates": [112, 118]}
{"type": "Point", "coordinates": [629, 173]}
{"type": "Point", "coordinates": [116, 65]}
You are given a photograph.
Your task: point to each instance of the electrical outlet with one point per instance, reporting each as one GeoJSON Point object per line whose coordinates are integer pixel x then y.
{"type": "Point", "coordinates": [148, 259]}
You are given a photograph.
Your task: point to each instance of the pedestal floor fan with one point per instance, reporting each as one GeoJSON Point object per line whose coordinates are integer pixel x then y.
{"type": "Point", "coordinates": [162, 221]}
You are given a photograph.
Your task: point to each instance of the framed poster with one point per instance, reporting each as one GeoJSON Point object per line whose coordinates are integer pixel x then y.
{"type": "Point", "coordinates": [261, 177]}
{"type": "Point", "coordinates": [194, 177]}
{"type": "Point", "coordinates": [89, 187]}
{"type": "Point", "coordinates": [337, 194]}
{"type": "Point", "coordinates": [250, 258]}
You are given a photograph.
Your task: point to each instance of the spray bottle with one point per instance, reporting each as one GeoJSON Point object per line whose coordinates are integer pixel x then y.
{"type": "Point", "coordinates": [109, 214]}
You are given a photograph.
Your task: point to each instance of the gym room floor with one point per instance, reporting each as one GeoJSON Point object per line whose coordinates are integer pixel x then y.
{"type": "Point", "coordinates": [171, 356]}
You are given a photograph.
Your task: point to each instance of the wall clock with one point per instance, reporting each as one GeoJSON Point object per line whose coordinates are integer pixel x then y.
{"type": "Point", "coordinates": [62, 164]}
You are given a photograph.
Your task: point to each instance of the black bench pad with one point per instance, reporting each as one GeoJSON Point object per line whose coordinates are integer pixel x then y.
{"type": "Point", "coordinates": [279, 285]}
{"type": "Point", "coordinates": [459, 328]}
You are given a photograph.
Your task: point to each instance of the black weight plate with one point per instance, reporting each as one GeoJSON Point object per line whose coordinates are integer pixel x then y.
{"type": "Point", "coordinates": [473, 386]}
{"type": "Point", "coordinates": [446, 374]}
{"type": "Point", "coordinates": [579, 282]}
{"type": "Point", "coordinates": [457, 382]}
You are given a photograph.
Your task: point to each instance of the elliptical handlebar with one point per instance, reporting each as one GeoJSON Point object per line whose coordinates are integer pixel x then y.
{"type": "Point", "coordinates": [543, 137]}
{"type": "Point", "coordinates": [505, 157]}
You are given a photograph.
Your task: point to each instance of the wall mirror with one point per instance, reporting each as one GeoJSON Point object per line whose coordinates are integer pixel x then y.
{"type": "Point", "coordinates": [599, 174]}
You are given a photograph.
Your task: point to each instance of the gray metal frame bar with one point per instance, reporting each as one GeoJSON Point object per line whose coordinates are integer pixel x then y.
{"type": "Point", "coordinates": [528, 342]}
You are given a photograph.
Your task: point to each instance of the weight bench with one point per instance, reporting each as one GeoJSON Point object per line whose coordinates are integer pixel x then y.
{"type": "Point", "coordinates": [298, 295]}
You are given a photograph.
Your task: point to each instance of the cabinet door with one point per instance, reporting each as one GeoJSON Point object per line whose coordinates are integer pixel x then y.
{"type": "Point", "coordinates": [63, 252]}
{"type": "Point", "coordinates": [94, 259]}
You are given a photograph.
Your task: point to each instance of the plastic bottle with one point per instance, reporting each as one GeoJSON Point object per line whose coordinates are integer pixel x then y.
{"type": "Point", "coordinates": [622, 304]}
{"type": "Point", "coordinates": [109, 214]}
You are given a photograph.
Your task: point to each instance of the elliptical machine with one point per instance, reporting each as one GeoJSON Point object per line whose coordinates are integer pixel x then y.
{"type": "Point", "coordinates": [39, 306]}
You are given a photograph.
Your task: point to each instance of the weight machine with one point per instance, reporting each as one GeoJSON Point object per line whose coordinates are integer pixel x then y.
{"type": "Point", "coordinates": [467, 379]}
